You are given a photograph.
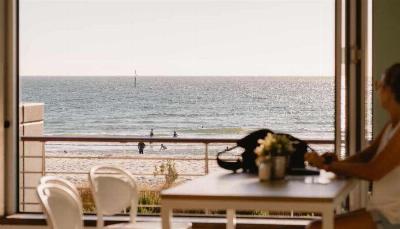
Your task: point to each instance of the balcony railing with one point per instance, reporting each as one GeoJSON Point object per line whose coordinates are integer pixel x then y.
{"type": "Point", "coordinates": [33, 165]}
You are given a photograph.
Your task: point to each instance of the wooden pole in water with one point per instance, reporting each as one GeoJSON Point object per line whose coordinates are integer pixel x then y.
{"type": "Point", "coordinates": [135, 78]}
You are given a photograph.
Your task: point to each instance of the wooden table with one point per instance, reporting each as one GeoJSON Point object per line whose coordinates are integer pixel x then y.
{"type": "Point", "coordinates": [224, 190]}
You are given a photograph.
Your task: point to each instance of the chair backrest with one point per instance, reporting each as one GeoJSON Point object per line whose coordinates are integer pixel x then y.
{"type": "Point", "coordinates": [61, 206]}
{"type": "Point", "coordinates": [114, 190]}
{"type": "Point", "coordinates": [60, 181]}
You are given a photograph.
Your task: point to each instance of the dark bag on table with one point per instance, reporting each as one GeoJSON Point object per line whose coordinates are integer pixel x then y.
{"type": "Point", "coordinates": [248, 157]}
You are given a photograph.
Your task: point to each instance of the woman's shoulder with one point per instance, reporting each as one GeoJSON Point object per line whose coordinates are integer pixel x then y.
{"type": "Point", "coordinates": [384, 129]}
{"type": "Point", "coordinates": [377, 140]}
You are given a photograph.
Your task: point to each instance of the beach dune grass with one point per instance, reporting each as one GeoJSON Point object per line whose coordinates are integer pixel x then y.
{"type": "Point", "coordinates": [149, 201]}
{"type": "Point", "coordinates": [87, 199]}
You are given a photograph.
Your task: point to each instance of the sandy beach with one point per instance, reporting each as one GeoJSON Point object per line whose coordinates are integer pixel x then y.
{"type": "Point", "coordinates": [75, 166]}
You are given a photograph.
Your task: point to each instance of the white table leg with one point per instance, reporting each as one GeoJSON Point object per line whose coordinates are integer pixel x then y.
{"type": "Point", "coordinates": [328, 219]}
{"type": "Point", "coordinates": [231, 219]}
{"type": "Point", "coordinates": [166, 217]}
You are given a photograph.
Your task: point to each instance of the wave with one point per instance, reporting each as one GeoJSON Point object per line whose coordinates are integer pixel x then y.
{"type": "Point", "coordinates": [224, 130]}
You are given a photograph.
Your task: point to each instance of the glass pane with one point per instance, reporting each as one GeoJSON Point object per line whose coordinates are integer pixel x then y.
{"type": "Point", "coordinates": [203, 69]}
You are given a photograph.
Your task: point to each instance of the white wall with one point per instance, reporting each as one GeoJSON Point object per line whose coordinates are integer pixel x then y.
{"type": "Point", "coordinates": [31, 121]}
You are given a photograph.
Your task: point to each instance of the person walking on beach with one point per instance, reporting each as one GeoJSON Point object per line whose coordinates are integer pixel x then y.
{"type": "Point", "coordinates": [151, 133]}
{"type": "Point", "coordinates": [163, 147]}
{"type": "Point", "coordinates": [175, 134]}
{"type": "Point", "coordinates": [141, 146]}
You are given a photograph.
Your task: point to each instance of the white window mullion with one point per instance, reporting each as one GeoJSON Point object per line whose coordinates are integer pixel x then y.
{"type": "Point", "coordinates": [338, 75]}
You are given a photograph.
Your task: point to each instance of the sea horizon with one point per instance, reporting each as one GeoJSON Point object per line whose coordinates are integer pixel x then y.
{"type": "Point", "coordinates": [177, 76]}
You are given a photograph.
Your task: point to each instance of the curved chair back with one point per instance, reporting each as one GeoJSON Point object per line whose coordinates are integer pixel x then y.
{"type": "Point", "coordinates": [61, 206]}
{"type": "Point", "coordinates": [114, 190]}
{"type": "Point", "coordinates": [60, 181]}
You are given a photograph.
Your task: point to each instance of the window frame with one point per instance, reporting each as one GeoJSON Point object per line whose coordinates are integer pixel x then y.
{"type": "Point", "coordinates": [10, 83]}
{"type": "Point", "coordinates": [11, 113]}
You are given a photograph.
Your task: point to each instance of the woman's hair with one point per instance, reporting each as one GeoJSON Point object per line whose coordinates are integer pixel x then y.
{"type": "Point", "coordinates": [392, 80]}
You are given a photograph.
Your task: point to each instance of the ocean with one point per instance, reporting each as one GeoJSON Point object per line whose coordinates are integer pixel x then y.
{"type": "Point", "coordinates": [209, 107]}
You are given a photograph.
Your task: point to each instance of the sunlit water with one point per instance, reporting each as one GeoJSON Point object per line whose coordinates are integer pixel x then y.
{"type": "Point", "coordinates": [209, 107]}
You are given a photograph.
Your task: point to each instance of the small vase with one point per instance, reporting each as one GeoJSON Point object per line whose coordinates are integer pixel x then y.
{"type": "Point", "coordinates": [264, 170]}
{"type": "Point", "coordinates": [279, 164]}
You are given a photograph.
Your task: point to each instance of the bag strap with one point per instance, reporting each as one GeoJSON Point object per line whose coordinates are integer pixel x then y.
{"type": "Point", "coordinates": [226, 150]}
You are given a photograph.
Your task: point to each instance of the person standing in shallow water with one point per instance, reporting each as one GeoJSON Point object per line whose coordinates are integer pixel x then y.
{"type": "Point", "coordinates": [175, 134]}
{"type": "Point", "coordinates": [379, 163]}
{"type": "Point", "coordinates": [151, 133]}
{"type": "Point", "coordinates": [141, 146]}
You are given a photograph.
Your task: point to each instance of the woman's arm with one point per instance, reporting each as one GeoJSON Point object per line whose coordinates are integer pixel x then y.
{"type": "Point", "coordinates": [364, 156]}
{"type": "Point", "coordinates": [374, 169]}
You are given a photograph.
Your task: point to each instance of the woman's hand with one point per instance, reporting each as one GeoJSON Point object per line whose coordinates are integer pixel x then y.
{"type": "Point", "coordinates": [315, 160]}
{"type": "Point", "coordinates": [329, 157]}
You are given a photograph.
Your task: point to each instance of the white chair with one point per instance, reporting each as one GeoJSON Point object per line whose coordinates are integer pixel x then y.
{"type": "Point", "coordinates": [114, 190]}
{"type": "Point", "coordinates": [60, 181]}
{"type": "Point", "coordinates": [61, 206]}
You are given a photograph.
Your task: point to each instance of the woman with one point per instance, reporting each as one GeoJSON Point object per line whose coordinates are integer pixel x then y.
{"type": "Point", "coordinates": [380, 163]}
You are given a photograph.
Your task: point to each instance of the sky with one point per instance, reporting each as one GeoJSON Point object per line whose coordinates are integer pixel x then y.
{"type": "Point", "coordinates": [177, 37]}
